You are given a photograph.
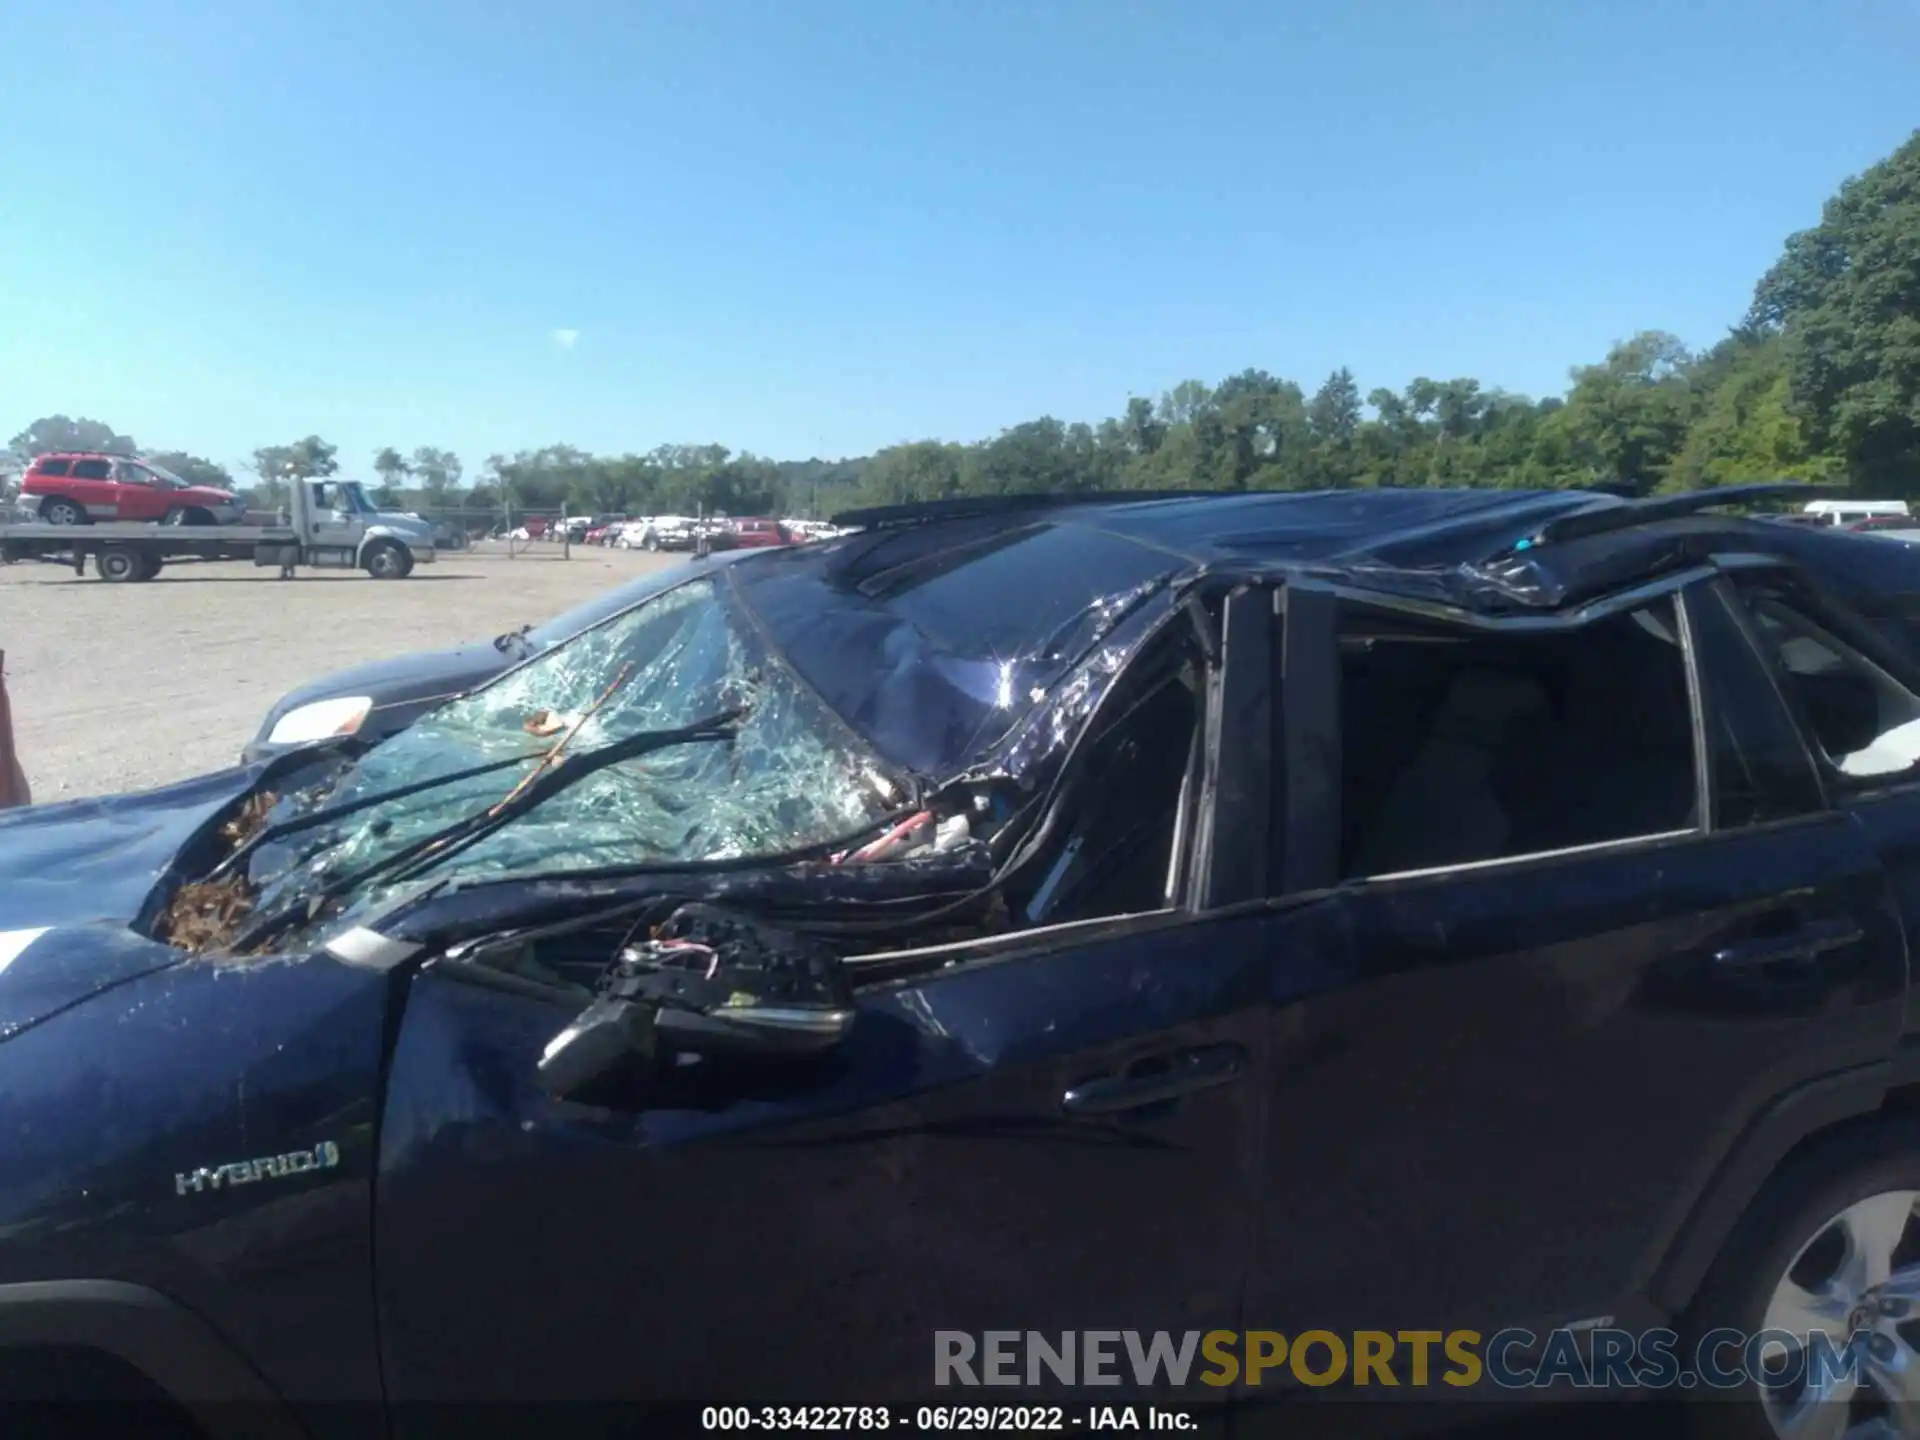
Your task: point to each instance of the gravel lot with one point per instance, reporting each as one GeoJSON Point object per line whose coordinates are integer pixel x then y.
{"type": "Point", "coordinates": [122, 687]}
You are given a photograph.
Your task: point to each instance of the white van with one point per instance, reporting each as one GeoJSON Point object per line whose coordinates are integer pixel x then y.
{"type": "Point", "coordinates": [1848, 512]}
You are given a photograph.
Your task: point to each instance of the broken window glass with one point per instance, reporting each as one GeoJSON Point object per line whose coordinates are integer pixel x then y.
{"type": "Point", "coordinates": [789, 777]}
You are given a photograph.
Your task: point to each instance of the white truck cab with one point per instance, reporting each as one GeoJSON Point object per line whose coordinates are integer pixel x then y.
{"type": "Point", "coordinates": [337, 524]}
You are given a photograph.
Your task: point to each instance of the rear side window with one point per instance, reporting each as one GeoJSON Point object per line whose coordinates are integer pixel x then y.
{"type": "Point", "coordinates": [1863, 721]}
{"type": "Point", "coordinates": [1460, 747]}
{"type": "Point", "coordinates": [91, 469]}
{"type": "Point", "coordinates": [51, 467]}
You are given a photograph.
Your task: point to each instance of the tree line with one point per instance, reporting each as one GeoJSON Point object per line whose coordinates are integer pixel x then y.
{"type": "Point", "coordinates": [1819, 381]}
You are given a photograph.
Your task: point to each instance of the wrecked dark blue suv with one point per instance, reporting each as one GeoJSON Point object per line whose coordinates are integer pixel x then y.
{"type": "Point", "coordinates": [1391, 910]}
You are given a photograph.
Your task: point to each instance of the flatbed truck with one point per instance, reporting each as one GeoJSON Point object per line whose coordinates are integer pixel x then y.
{"type": "Point", "coordinates": [328, 524]}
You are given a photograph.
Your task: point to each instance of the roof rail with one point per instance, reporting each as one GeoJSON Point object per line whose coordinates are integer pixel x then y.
{"type": "Point", "coordinates": [922, 511]}
{"type": "Point", "coordinates": [1604, 518]}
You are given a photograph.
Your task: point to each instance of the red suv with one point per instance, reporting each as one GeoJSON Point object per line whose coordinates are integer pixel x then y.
{"type": "Point", "coordinates": [758, 532]}
{"type": "Point", "coordinates": [76, 487]}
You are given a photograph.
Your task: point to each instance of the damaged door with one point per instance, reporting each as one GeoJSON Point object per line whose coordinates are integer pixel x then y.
{"type": "Point", "coordinates": [1053, 1130]}
{"type": "Point", "coordinates": [1601, 918]}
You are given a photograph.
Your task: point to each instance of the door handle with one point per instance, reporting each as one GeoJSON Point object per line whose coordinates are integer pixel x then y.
{"type": "Point", "coordinates": [1186, 1072]}
{"type": "Point", "coordinates": [1808, 942]}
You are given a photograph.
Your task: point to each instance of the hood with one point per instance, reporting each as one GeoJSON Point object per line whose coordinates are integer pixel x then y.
{"type": "Point", "coordinates": [413, 679]}
{"type": "Point", "coordinates": [400, 520]}
{"type": "Point", "coordinates": [46, 970]}
{"type": "Point", "coordinates": [101, 860]}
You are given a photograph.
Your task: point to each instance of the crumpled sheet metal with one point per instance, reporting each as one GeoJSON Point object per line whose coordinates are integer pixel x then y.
{"type": "Point", "coordinates": [940, 715]}
{"type": "Point", "coordinates": [933, 696]}
{"type": "Point", "coordinates": [1541, 579]}
{"type": "Point", "coordinates": [813, 890]}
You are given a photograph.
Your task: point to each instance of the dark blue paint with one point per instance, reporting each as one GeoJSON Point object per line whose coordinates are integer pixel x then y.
{"type": "Point", "coordinates": [101, 1106]}
{"type": "Point", "coordinates": [752, 1234]}
{"type": "Point", "coordinates": [1481, 1098]}
{"type": "Point", "coordinates": [100, 859]}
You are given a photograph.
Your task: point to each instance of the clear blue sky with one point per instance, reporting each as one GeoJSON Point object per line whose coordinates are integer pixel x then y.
{"type": "Point", "coordinates": [820, 226]}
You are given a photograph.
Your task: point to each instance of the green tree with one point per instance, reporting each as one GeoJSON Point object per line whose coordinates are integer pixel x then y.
{"type": "Point", "coordinates": [58, 432]}
{"type": "Point", "coordinates": [1626, 417]}
{"type": "Point", "coordinates": [438, 472]}
{"type": "Point", "coordinates": [391, 466]}
{"type": "Point", "coordinates": [1333, 423]}
{"type": "Point", "coordinates": [1746, 428]}
{"type": "Point", "coordinates": [909, 474]}
{"type": "Point", "coordinates": [1846, 294]}
{"type": "Point", "coordinates": [1143, 434]}
{"type": "Point", "coordinates": [307, 459]}
{"type": "Point", "coordinates": [193, 469]}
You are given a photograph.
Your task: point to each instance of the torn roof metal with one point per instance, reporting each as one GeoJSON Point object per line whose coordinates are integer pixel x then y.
{"type": "Point", "coordinates": [942, 631]}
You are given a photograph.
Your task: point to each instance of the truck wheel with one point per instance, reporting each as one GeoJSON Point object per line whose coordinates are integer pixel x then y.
{"type": "Point", "coordinates": [385, 560]}
{"type": "Point", "coordinates": [1830, 1249]}
{"type": "Point", "coordinates": [63, 512]}
{"type": "Point", "coordinates": [117, 563]}
{"type": "Point", "coordinates": [150, 565]}
{"type": "Point", "coordinates": [192, 515]}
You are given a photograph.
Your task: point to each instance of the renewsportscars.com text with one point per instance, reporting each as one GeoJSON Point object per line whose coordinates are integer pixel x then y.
{"type": "Point", "coordinates": [1514, 1359]}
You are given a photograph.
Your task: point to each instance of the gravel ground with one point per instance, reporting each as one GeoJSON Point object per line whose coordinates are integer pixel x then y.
{"type": "Point", "coordinates": [122, 687]}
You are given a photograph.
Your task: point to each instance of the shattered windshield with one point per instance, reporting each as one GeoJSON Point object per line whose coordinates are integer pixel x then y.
{"type": "Point", "coordinates": [784, 776]}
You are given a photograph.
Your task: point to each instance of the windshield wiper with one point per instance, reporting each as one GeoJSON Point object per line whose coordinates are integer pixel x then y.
{"type": "Point", "coordinates": [412, 860]}
{"type": "Point", "coordinates": [313, 818]}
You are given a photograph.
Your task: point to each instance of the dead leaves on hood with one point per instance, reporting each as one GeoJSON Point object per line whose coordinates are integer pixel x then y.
{"type": "Point", "coordinates": [247, 822]}
{"type": "Point", "coordinates": [205, 914]}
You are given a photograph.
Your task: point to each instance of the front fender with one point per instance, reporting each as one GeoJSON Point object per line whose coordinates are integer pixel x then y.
{"type": "Point", "coordinates": [186, 1357]}
{"type": "Point", "coordinates": [208, 1132]}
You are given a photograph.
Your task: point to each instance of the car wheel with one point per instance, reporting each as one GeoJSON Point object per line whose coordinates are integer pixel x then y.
{"type": "Point", "coordinates": [119, 564]}
{"type": "Point", "coordinates": [386, 561]}
{"type": "Point", "coordinates": [63, 512]}
{"type": "Point", "coordinates": [1829, 1251]}
{"type": "Point", "coordinates": [192, 515]}
{"type": "Point", "coordinates": [652, 542]}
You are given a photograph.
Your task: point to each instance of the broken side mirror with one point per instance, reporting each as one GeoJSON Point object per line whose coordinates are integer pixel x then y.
{"type": "Point", "coordinates": [708, 983]}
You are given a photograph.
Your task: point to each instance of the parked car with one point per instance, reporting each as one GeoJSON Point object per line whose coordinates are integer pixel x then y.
{"type": "Point", "coordinates": [662, 532]}
{"type": "Point", "coordinates": [383, 697]}
{"type": "Point", "coordinates": [75, 487]}
{"type": "Point", "coordinates": [1368, 910]}
{"type": "Point", "coordinates": [805, 530]}
{"type": "Point", "coordinates": [601, 529]}
{"type": "Point", "coordinates": [755, 533]}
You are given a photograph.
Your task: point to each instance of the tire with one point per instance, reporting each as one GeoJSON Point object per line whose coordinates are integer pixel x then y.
{"type": "Point", "coordinates": [119, 565]}
{"type": "Point", "coordinates": [150, 565]}
{"type": "Point", "coordinates": [60, 511]}
{"type": "Point", "coordinates": [385, 560]}
{"type": "Point", "coordinates": [652, 542]}
{"type": "Point", "coordinates": [189, 516]}
{"type": "Point", "coordinates": [1850, 1201]}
